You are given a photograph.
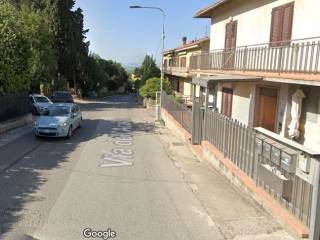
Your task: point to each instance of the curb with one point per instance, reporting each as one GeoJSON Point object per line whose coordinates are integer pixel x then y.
{"type": "Point", "coordinates": [15, 123]}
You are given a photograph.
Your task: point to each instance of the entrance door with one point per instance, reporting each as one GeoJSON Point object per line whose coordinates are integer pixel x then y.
{"type": "Point", "coordinates": [268, 101]}
{"type": "Point", "coordinates": [230, 44]}
{"type": "Point", "coordinates": [227, 95]}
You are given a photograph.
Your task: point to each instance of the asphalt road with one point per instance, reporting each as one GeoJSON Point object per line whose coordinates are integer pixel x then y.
{"type": "Point", "coordinates": [112, 178]}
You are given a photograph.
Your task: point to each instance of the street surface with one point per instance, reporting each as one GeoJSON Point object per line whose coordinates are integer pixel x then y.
{"type": "Point", "coordinates": [118, 178]}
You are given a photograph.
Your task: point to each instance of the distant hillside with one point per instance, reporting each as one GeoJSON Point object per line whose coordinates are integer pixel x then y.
{"type": "Point", "coordinates": [130, 68]}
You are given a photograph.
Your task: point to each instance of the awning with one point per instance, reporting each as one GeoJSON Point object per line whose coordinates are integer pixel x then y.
{"type": "Point", "coordinates": [205, 81]}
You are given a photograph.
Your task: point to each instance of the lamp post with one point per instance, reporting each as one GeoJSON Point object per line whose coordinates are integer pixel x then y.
{"type": "Point", "coordinates": [158, 107]}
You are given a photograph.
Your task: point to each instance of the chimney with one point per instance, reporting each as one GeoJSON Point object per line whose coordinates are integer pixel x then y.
{"type": "Point", "coordinates": [184, 41]}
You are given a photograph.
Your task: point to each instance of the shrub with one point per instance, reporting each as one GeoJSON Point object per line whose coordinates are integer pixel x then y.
{"type": "Point", "coordinates": [152, 86]}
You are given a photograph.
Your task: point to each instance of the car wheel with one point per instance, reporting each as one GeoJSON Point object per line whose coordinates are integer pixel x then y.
{"type": "Point", "coordinates": [34, 111]}
{"type": "Point", "coordinates": [69, 132]}
{"type": "Point", "coordinates": [37, 136]}
{"type": "Point", "coordinates": [80, 123]}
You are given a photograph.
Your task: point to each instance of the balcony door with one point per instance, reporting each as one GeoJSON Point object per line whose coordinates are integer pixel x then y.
{"type": "Point", "coordinates": [227, 96]}
{"type": "Point", "coordinates": [267, 108]}
{"type": "Point", "coordinates": [230, 44]}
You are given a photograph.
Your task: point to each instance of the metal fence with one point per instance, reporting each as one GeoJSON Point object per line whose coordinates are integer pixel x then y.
{"type": "Point", "coordinates": [295, 56]}
{"type": "Point", "coordinates": [179, 111]}
{"type": "Point", "coordinates": [250, 152]}
{"type": "Point", "coordinates": [14, 105]}
{"type": "Point", "coordinates": [232, 138]}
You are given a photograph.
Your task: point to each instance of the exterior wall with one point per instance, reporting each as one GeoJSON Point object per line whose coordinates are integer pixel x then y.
{"type": "Point", "coordinates": [241, 100]}
{"type": "Point", "coordinates": [310, 117]}
{"type": "Point", "coordinates": [187, 88]}
{"type": "Point", "coordinates": [178, 54]}
{"type": "Point", "coordinates": [186, 82]}
{"type": "Point", "coordinates": [245, 96]}
{"type": "Point", "coordinates": [251, 17]}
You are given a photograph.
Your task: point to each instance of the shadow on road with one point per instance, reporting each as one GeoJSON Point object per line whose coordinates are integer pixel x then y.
{"type": "Point", "coordinates": [31, 161]}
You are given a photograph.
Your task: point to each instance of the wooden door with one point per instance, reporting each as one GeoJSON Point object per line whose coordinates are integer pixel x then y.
{"type": "Point", "coordinates": [227, 96]}
{"type": "Point", "coordinates": [268, 101]}
{"type": "Point", "coordinates": [230, 44]}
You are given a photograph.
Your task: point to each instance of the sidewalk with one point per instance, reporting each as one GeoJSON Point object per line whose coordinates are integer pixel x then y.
{"type": "Point", "coordinates": [14, 134]}
{"type": "Point", "coordinates": [235, 214]}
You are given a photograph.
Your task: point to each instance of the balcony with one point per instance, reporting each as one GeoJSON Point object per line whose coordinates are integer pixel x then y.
{"type": "Point", "coordinates": [297, 58]}
{"type": "Point", "coordinates": [177, 71]}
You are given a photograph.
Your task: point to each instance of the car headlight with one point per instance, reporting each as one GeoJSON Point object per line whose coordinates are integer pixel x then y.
{"type": "Point", "coordinates": [64, 124]}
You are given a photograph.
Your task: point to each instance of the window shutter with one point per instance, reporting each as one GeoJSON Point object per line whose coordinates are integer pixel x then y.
{"type": "Point", "coordinates": [228, 35]}
{"type": "Point", "coordinates": [183, 62]}
{"type": "Point", "coordinates": [275, 35]}
{"type": "Point", "coordinates": [287, 22]}
{"type": "Point", "coordinates": [281, 24]}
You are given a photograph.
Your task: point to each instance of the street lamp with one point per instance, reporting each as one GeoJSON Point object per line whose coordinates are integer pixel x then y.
{"type": "Point", "coordinates": [158, 107]}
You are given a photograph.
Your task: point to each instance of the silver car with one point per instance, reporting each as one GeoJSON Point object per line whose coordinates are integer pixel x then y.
{"type": "Point", "coordinates": [59, 120]}
{"type": "Point", "coordinates": [39, 103]}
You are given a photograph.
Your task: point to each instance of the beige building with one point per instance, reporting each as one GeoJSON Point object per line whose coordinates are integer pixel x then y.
{"type": "Point", "coordinates": [177, 63]}
{"type": "Point", "coordinates": [263, 68]}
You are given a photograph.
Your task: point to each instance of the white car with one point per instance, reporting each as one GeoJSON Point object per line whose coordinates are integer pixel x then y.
{"type": "Point", "coordinates": [58, 120]}
{"type": "Point", "coordinates": [39, 103]}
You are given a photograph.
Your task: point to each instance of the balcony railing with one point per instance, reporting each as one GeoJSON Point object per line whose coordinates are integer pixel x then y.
{"type": "Point", "coordinates": [297, 56]}
{"type": "Point", "coordinates": [176, 70]}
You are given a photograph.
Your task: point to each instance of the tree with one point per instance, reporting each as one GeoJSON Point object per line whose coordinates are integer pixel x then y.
{"type": "Point", "coordinates": [149, 69]}
{"type": "Point", "coordinates": [15, 52]}
{"type": "Point", "coordinates": [43, 58]}
{"type": "Point", "coordinates": [62, 26]}
{"type": "Point", "coordinates": [43, 43]}
{"type": "Point", "coordinates": [152, 86]}
{"type": "Point", "coordinates": [136, 72]}
{"type": "Point", "coordinates": [104, 73]}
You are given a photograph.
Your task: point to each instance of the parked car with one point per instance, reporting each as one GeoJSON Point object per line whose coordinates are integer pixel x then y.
{"type": "Point", "coordinates": [61, 97]}
{"type": "Point", "coordinates": [39, 103]}
{"type": "Point", "coordinates": [59, 120]}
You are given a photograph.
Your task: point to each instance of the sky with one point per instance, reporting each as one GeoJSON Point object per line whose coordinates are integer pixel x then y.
{"type": "Point", "coordinates": [127, 35]}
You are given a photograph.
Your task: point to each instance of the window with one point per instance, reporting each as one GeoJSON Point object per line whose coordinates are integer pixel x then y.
{"type": "Point", "coordinates": [227, 96]}
{"type": "Point", "coordinates": [231, 35]}
{"type": "Point", "coordinates": [281, 24]}
{"type": "Point", "coordinates": [165, 64]}
{"type": "Point", "coordinates": [183, 62]}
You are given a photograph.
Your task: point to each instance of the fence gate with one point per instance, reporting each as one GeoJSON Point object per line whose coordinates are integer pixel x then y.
{"type": "Point", "coordinates": [197, 121]}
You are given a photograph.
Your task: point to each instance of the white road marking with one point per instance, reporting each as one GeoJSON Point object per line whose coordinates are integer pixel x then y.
{"type": "Point", "coordinates": [119, 156]}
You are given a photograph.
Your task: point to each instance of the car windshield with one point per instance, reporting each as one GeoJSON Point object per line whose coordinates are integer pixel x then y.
{"type": "Point", "coordinates": [41, 99]}
{"type": "Point", "coordinates": [58, 111]}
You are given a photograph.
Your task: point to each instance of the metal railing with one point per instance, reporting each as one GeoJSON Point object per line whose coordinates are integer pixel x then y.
{"type": "Point", "coordinates": [239, 144]}
{"type": "Point", "coordinates": [14, 105]}
{"type": "Point", "coordinates": [295, 56]}
{"type": "Point", "coordinates": [232, 138]}
{"type": "Point", "coordinates": [176, 70]}
{"type": "Point", "coordinates": [178, 111]}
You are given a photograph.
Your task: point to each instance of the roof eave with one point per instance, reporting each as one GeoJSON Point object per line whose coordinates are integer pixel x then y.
{"type": "Point", "coordinates": [207, 12]}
